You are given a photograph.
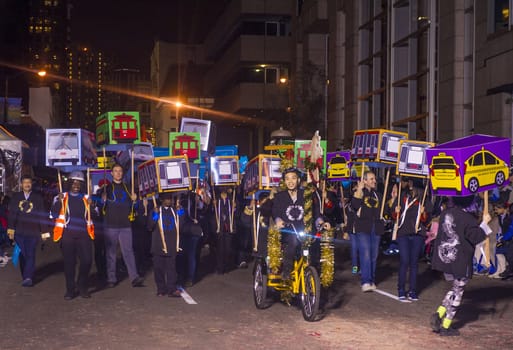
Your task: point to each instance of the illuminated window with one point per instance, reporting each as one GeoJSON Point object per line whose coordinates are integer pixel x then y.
{"type": "Point", "coordinates": [501, 15]}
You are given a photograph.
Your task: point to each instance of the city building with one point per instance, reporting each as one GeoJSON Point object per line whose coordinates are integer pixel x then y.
{"type": "Point", "coordinates": [438, 70]}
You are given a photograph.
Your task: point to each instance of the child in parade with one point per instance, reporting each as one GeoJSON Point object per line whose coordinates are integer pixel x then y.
{"type": "Point", "coordinates": [163, 224]}
{"type": "Point", "coordinates": [454, 247]}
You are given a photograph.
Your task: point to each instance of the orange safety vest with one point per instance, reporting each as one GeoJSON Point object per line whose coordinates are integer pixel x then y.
{"type": "Point", "coordinates": [60, 222]}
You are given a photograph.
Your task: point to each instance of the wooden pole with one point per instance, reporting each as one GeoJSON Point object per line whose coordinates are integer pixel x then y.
{"type": "Point", "coordinates": [104, 170]}
{"type": "Point", "coordinates": [417, 222]}
{"type": "Point", "coordinates": [396, 224]}
{"type": "Point", "coordinates": [159, 223]}
{"type": "Point", "coordinates": [59, 180]}
{"type": "Point", "coordinates": [486, 245]}
{"type": "Point", "coordinates": [88, 195]}
{"type": "Point", "coordinates": [132, 169]}
{"type": "Point", "coordinates": [215, 210]}
{"type": "Point", "coordinates": [255, 231]}
{"type": "Point", "coordinates": [177, 223]}
{"type": "Point", "coordinates": [387, 178]}
{"type": "Point", "coordinates": [232, 214]}
{"type": "Point", "coordinates": [344, 212]}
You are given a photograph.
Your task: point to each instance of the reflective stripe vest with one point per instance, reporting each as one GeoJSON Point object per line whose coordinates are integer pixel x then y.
{"type": "Point", "coordinates": [60, 222]}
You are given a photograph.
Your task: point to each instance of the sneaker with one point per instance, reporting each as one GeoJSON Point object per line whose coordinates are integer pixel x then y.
{"type": "Point", "coordinates": [354, 271]}
{"type": "Point", "coordinates": [435, 321]}
{"type": "Point", "coordinates": [243, 265]}
{"type": "Point", "coordinates": [367, 287]}
{"type": "Point", "coordinates": [449, 332]}
{"type": "Point", "coordinates": [27, 282]}
{"type": "Point", "coordinates": [138, 282]}
{"type": "Point", "coordinates": [401, 295]}
{"type": "Point", "coordinates": [175, 294]}
{"type": "Point", "coordinates": [412, 295]}
{"type": "Point", "coordinates": [373, 286]}
{"type": "Point", "coordinates": [69, 296]}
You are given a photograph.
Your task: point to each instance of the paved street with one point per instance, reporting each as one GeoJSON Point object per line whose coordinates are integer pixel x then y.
{"type": "Point", "coordinates": [225, 316]}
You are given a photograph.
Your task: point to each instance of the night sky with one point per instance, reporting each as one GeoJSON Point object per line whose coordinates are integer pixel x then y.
{"type": "Point", "coordinates": [128, 28]}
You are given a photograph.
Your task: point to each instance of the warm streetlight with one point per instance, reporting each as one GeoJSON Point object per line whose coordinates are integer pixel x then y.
{"type": "Point", "coordinates": [178, 104]}
{"type": "Point", "coordinates": [283, 80]}
{"type": "Point", "coordinates": [42, 73]}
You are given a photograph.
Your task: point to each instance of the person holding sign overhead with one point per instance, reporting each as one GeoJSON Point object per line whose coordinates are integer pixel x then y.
{"type": "Point", "coordinates": [409, 210]}
{"type": "Point", "coordinates": [118, 204]}
{"type": "Point", "coordinates": [368, 227]}
{"type": "Point", "coordinates": [164, 224]}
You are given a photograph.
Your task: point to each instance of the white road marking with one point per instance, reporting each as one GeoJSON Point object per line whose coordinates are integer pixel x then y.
{"type": "Point", "coordinates": [382, 292]}
{"type": "Point", "coordinates": [187, 298]}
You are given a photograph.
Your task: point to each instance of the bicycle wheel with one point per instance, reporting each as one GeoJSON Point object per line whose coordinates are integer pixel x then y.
{"type": "Point", "coordinates": [260, 285]}
{"type": "Point", "coordinates": [311, 298]}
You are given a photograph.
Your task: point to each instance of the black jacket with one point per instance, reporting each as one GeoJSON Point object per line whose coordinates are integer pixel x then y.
{"type": "Point", "coordinates": [118, 206]}
{"type": "Point", "coordinates": [293, 212]}
{"type": "Point", "coordinates": [27, 217]}
{"type": "Point", "coordinates": [369, 216]}
{"type": "Point", "coordinates": [169, 228]}
{"type": "Point", "coordinates": [458, 234]}
{"type": "Point", "coordinates": [407, 223]}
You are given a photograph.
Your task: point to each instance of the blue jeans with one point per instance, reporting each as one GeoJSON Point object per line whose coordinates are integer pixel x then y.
{"type": "Point", "coordinates": [123, 236]}
{"type": "Point", "coordinates": [368, 249]}
{"type": "Point", "coordinates": [354, 249]}
{"type": "Point", "coordinates": [410, 248]}
{"type": "Point", "coordinates": [27, 246]}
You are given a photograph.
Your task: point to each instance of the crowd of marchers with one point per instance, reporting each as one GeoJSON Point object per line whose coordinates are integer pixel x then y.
{"type": "Point", "coordinates": [168, 234]}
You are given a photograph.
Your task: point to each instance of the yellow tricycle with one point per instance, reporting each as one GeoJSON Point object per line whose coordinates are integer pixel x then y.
{"type": "Point", "coordinates": [304, 281]}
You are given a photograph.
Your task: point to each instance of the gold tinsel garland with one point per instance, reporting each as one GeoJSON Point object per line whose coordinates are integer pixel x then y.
{"type": "Point", "coordinates": [327, 257]}
{"type": "Point", "coordinates": [274, 249]}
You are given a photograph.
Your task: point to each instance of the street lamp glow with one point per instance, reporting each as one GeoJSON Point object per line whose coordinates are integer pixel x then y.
{"type": "Point", "coordinates": [283, 80]}
{"type": "Point", "coordinates": [41, 73]}
{"type": "Point", "coordinates": [178, 104]}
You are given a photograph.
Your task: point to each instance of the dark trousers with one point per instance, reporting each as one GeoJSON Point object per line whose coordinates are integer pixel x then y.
{"type": "Point", "coordinates": [141, 240]}
{"type": "Point", "coordinates": [190, 244]}
{"type": "Point", "coordinates": [289, 252]}
{"type": "Point", "coordinates": [100, 259]}
{"type": "Point", "coordinates": [223, 252]}
{"type": "Point", "coordinates": [164, 270]}
{"type": "Point", "coordinates": [244, 243]}
{"type": "Point", "coordinates": [73, 248]}
{"type": "Point", "coordinates": [27, 246]}
{"type": "Point", "coordinates": [410, 248]}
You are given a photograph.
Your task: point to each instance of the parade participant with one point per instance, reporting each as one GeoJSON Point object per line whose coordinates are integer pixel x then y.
{"type": "Point", "coordinates": [245, 234]}
{"type": "Point", "coordinates": [74, 229]}
{"type": "Point", "coordinates": [191, 233]}
{"type": "Point", "coordinates": [117, 209]}
{"type": "Point", "coordinates": [410, 237]}
{"type": "Point", "coordinates": [140, 235]}
{"type": "Point", "coordinates": [25, 225]}
{"type": "Point", "coordinates": [368, 226]}
{"type": "Point", "coordinates": [163, 224]}
{"type": "Point", "coordinates": [458, 234]}
{"type": "Point", "coordinates": [225, 229]}
{"type": "Point", "coordinates": [288, 209]}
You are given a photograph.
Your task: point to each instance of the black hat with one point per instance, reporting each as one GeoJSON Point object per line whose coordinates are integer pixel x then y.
{"type": "Point", "coordinates": [165, 195]}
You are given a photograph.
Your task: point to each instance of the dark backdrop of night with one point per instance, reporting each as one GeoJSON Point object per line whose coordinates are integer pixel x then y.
{"type": "Point", "coordinates": [127, 29]}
